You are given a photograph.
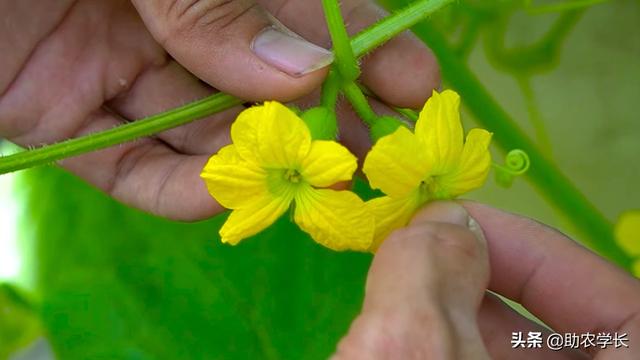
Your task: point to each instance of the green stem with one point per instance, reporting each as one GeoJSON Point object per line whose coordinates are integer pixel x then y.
{"type": "Point", "coordinates": [391, 26]}
{"type": "Point", "coordinates": [345, 59]}
{"type": "Point", "coordinates": [359, 103]}
{"type": "Point", "coordinates": [530, 59]}
{"type": "Point", "coordinates": [118, 135]}
{"type": "Point", "coordinates": [407, 113]}
{"type": "Point", "coordinates": [543, 173]}
{"type": "Point", "coordinates": [330, 90]}
{"type": "Point", "coordinates": [361, 44]}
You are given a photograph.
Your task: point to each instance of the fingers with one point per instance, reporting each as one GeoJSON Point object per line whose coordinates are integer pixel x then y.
{"type": "Point", "coordinates": [25, 23]}
{"type": "Point", "coordinates": [403, 72]}
{"type": "Point", "coordinates": [423, 291]}
{"type": "Point", "coordinates": [555, 278]}
{"type": "Point", "coordinates": [234, 46]}
{"type": "Point", "coordinates": [168, 86]}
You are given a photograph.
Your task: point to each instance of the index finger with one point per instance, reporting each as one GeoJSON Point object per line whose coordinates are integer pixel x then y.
{"type": "Point", "coordinates": [564, 284]}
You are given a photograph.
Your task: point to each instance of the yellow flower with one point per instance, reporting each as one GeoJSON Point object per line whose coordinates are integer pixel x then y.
{"type": "Point", "coordinates": [412, 168]}
{"type": "Point", "coordinates": [627, 233]}
{"type": "Point", "coordinates": [272, 164]}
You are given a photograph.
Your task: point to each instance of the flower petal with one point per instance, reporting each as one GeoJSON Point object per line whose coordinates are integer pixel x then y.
{"type": "Point", "coordinates": [250, 220]}
{"type": "Point", "coordinates": [338, 220]}
{"type": "Point", "coordinates": [244, 133]}
{"type": "Point", "coordinates": [439, 129]}
{"type": "Point", "coordinates": [474, 166]}
{"type": "Point", "coordinates": [284, 139]}
{"type": "Point", "coordinates": [232, 181]}
{"type": "Point", "coordinates": [397, 163]}
{"type": "Point", "coordinates": [328, 163]}
{"type": "Point", "coordinates": [627, 232]}
{"type": "Point", "coordinates": [271, 135]}
{"type": "Point", "coordinates": [391, 214]}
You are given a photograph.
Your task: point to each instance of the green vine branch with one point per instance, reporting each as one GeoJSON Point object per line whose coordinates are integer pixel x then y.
{"type": "Point", "coordinates": [534, 58]}
{"type": "Point", "coordinates": [118, 135]}
{"type": "Point", "coordinates": [403, 19]}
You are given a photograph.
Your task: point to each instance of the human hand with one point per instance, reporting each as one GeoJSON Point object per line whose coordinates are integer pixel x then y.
{"type": "Point", "coordinates": [76, 67]}
{"type": "Point", "coordinates": [426, 292]}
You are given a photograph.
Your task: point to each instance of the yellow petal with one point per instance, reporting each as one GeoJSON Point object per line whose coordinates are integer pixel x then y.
{"type": "Point", "coordinates": [338, 220]}
{"type": "Point", "coordinates": [284, 139]}
{"type": "Point", "coordinates": [391, 214]}
{"type": "Point", "coordinates": [244, 133]}
{"type": "Point", "coordinates": [627, 232]}
{"type": "Point", "coordinates": [250, 220]}
{"type": "Point", "coordinates": [397, 163]}
{"type": "Point", "coordinates": [473, 168]}
{"type": "Point", "coordinates": [271, 135]}
{"type": "Point", "coordinates": [636, 269]}
{"type": "Point", "coordinates": [328, 163]}
{"type": "Point", "coordinates": [439, 129]}
{"type": "Point", "coordinates": [233, 182]}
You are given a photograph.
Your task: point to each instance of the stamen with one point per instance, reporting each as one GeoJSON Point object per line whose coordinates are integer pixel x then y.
{"type": "Point", "coordinates": [292, 176]}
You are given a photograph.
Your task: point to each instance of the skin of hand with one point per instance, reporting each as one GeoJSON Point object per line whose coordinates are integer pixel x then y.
{"type": "Point", "coordinates": [73, 67]}
{"type": "Point", "coordinates": [426, 294]}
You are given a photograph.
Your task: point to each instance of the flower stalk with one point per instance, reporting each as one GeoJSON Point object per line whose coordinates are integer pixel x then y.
{"type": "Point", "coordinates": [359, 103]}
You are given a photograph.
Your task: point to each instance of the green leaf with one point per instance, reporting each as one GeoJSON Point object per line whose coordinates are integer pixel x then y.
{"type": "Point", "coordinates": [19, 323]}
{"type": "Point", "coordinates": [120, 284]}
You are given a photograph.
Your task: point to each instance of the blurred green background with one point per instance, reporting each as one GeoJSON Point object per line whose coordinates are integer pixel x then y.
{"type": "Point", "coordinates": [103, 281]}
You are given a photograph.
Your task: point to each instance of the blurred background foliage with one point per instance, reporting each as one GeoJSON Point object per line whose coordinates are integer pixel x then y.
{"type": "Point", "coordinates": [108, 282]}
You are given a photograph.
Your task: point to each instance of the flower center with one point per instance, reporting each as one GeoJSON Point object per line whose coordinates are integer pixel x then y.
{"type": "Point", "coordinates": [432, 189]}
{"type": "Point", "coordinates": [426, 188]}
{"type": "Point", "coordinates": [292, 176]}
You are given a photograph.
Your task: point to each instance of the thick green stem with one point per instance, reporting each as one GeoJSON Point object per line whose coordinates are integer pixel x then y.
{"type": "Point", "coordinates": [118, 135]}
{"type": "Point", "coordinates": [345, 59]}
{"type": "Point", "coordinates": [361, 44]}
{"type": "Point", "coordinates": [543, 173]}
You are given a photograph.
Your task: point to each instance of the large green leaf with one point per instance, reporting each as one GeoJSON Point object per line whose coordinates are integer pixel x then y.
{"type": "Point", "coordinates": [119, 284]}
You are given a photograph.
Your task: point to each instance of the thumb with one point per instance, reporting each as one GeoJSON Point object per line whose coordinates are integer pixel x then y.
{"type": "Point", "coordinates": [423, 291]}
{"type": "Point", "coordinates": [237, 47]}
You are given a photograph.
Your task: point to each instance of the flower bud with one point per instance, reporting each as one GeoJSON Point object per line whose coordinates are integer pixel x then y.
{"type": "Point", "coordinates": [383, 126]}
{"type": "Point", "coordinates": [322, 123]}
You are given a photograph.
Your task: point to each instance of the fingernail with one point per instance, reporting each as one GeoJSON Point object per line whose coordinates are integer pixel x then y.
{"type": "Point", "coordinates": [449, 212]}
{"type": "Point", "coordinates": [289, 53]}
{"type": "Point", "coordinates": [476, 229]}
{"type": "Point", "coordinates": [443, 211]}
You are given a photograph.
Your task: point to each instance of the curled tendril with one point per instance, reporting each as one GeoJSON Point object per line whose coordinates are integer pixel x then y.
{"type": "Point", "coordinates": [516, 163]}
